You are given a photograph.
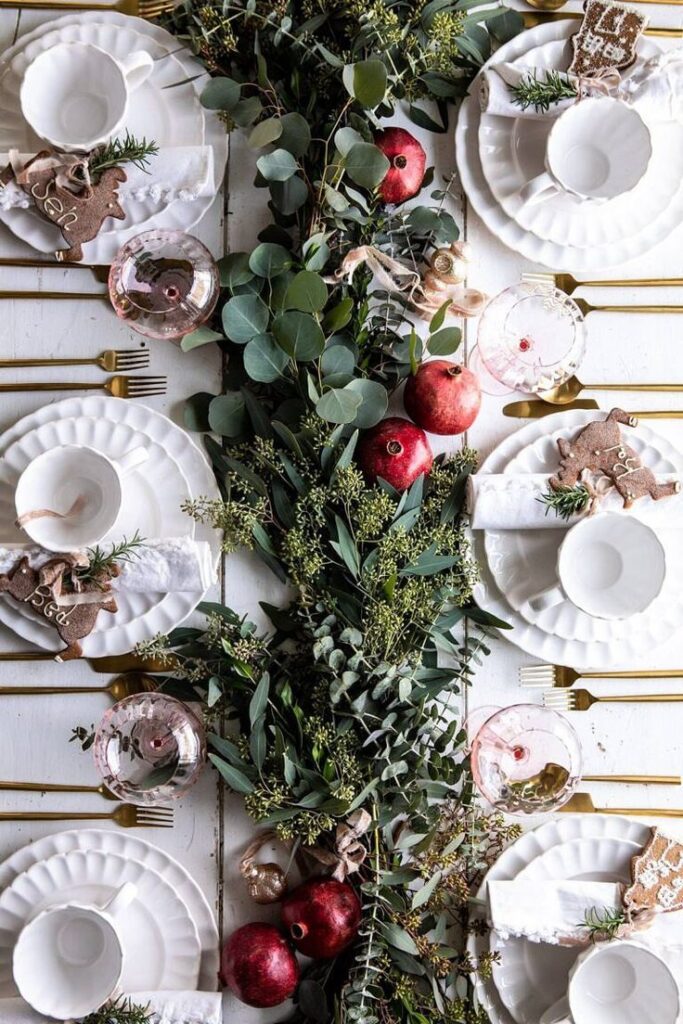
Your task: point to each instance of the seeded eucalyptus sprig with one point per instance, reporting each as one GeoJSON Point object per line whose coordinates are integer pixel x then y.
{"type": "Point", "coordinates": [542, 93]}
{"type": "Point", "coordinates": [566, 502]}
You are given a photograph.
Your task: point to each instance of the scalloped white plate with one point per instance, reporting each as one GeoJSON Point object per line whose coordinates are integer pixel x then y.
{"type": "Point", "coordinates": [512, 151]}
{"type": "Point", "coordinates": [523, 562]}
{"type": "Point", "coordinates": [129, 846]}
{"type": "Point", "coordinates": [511, 863]}
{"type": "Point", "coordinates": [150, 614]}
{"type": "Point", "coordinates": [558, 256]}
{"type": "Point", "coordinates": [529, 637]}
{"type": "Point", "coordinates": [160, 942]}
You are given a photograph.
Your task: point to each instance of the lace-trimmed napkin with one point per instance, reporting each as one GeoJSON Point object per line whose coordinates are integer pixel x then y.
{"type": "Point", "coordinates": [166, 1007]}
{"type": "Point", "coordinates": [184, 173]}
{"type": "Point", "coordinates": [165, 565]}
{"type": "Point", "coordinates": [510, 501]}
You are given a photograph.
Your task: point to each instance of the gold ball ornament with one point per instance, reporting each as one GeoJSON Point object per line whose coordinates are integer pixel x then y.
{"type": "Point", "coordinates": [266, 883]}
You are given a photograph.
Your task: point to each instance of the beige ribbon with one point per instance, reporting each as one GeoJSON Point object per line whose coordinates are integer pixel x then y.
{"type": "Point", "coordinates": [349, 852]}
{"type": "Point", "coordinates": [604, 82]}
{"type": "Point", "coordinates": [49, 513]}
{"type": "Point", "coordinates": [71, 170]}
{"type": "Point", "coordinates": [393, 275]}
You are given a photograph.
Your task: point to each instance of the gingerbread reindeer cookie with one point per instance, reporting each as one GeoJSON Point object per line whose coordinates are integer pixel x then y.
{"type": "Point", "coordinates": [600, 448]}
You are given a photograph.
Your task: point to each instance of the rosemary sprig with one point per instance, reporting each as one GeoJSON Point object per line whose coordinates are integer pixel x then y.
{"type": "Point", "coordinates": [603, 924]}
{"type": "Point", "coordinates": [102, 561]}
{"type": "Point", "coordinates": [128, 150]}
{"type": "Point", "coordinates": [123, 1011]}
{"type": "Point", "coordinates": [566, 502]}
{"type": "Point", "coordinates": [541, 93]}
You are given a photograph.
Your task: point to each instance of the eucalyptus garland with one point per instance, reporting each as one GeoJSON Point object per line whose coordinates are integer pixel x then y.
{"type": "Point", "coordinates": [350, 700]}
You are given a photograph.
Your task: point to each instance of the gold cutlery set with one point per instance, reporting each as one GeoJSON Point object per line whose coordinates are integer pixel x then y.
{"type": "Point", "coordinates": [125, 815]}
{"type": "Point", "coordinates": [111, 360]}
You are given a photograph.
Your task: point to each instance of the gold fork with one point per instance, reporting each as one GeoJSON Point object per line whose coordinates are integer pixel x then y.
{"type": "Point", "coordinates": [588, 307]}
{"type": "Point", "coordinates": [123, 686]}
{"type": "Point", "coordinates": [55, 787]}
{"type": "Point", "coordinates": [545, 677]}
{"type": "Point", "coordinates": [582, 803]}
{"type": "Point", "coordinates": [119, 387]}
{"type": "Point", "coordinates": [100, 272]}
{"type": "Point", "coordinates": [532, 19]}
{"type": "Point", "coordinates": [110, 665]}
{"type": "Point", "coordinates": [535, 408]}
{"type": "Point", "coordinates": [137, 8]}
{"type": "Point", "coordinates": [582, 700]}
{"type": "Point", "coordinates": [568, 284]}
{"type": "Point", "coordinates": [127, 815]}
{"type": "Point", "coordinates": [111, 360]}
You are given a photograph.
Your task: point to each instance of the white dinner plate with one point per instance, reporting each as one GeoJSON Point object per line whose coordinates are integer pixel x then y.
{"type": "Point", "coordinates": [527, 636]}
{"type": "Point", "coordinates": [186, 68]}
{"type": "Point", "coordinates": [559, 830]}
{"type": "Point", "coordinates": [523, 562]}
{"type": "Point", "coordinates": [130, 847]}
{"type": "Point", "coordinates": [559, 256]}
{"type": "Point", "coordinates": [512, 152]}
{"type": "Point", "coordinates": [149, 613]}
{"type": "Point", "coordinates": [160, 941]}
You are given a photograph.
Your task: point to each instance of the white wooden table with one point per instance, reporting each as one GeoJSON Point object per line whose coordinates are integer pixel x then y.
{"type": "Point", "coordinates": [211, 826]}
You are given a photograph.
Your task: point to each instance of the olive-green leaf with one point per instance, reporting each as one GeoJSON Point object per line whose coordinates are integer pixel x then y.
{"type": "Point", "coordinates": [265, 132]}
{"type": "Point", "coordinates": [366, 81]}
{"type": "Point", "coordinates": [201, 336]}
{"type": "Point", "coordinates": [277, 166]}
{"type": "Point", "coordinates": [234, 778]}
{"type": "Point", "coordinates": [234, 269]}
{"type": "Point", "coordinates": [246, 111]}
{"type": "Point", "coordinates": [374, 401]}
{"type": "Point", "coordinates": [299, 334]}
{"type": "Point", "coordinates": [289, 196]}
{"type": "Point", "coordinates": [399, 937]}
{"type": "Point", "coordinates": [445, 342]}
{"type": "Point", "coordinates": [307, 292]}
{"type": "Point", "coordinates": [264, 360]}
{"type": "Point", "coordinates": [220, 94]}
{"type": "Point", "coordinates": [296, 134]}
{"type": "Point", "coordinates": [338, 405]}
{"type": "Point", "coordinates": [243, 317]}
{"type": "Point", "coordinates": [339, 315]}
{"type": "Point", "coordinates": [270, 259]}
{"type": "Point", "coordinates": [259, 701]}
{"type": "Point", "coordinates": [196, 411]}
{"type": "Point", "coordinates": [227, 414]}
{"type": "Point", "coordinates": [366, 164]}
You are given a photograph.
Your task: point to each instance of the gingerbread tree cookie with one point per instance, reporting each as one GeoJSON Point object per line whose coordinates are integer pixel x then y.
{"type": "Point", "coordinates": [657, 876]}
{"type": "Point", "coordinates": [607, 38]}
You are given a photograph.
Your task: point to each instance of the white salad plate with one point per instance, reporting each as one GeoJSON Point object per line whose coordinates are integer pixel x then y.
{"type": "Point", "coordinates": [129, 847]}
{"type": "Point", "coordinates": [561, 256]}
{"type": "Point", "coordinates": [146, 614]}
{"type": "Point", "coordinates": [512, 152]}
{"type": "Point", "coordinates": [523, 562]}
{"type": "Point", "coordinates": [526, 635]}
{"type": "Point", "coordinates": [543, 969]}
{"type": "Point", "coordinates": [141, 510]}
{"type": "Point", "coordinates": [176, 65]}
{"type": "Point", "coordinates": [159, 939]}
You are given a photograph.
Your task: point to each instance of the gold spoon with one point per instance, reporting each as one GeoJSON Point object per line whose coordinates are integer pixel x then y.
{"type": "Point", "coordinates": [572, 388]}
{"type": "Point", "coordinates": [536, 408]}
{"type": "Point", "coordinates": [555, 5]}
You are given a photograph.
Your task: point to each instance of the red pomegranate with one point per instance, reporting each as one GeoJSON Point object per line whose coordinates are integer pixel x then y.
{"type": "Point", "coordinates": [443, 397]}
{"type": "Point", "coordinates": [259, 965]}
{"type": "Point", "coordinates": [395, 450]}
{"type": "Point", "coordinates": [322, 916]}
{"type": "Point", "coordinates": [407, 159]}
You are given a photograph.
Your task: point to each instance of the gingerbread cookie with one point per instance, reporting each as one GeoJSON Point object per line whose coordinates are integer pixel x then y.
{"type": "Point", "coordinates": [656, 876]}
{"type": "Point", "coordinates": [599, 448]}
{"type": "Point", "coordinates": [77, 211]}
{"type": "Point", "coordinates": [607, 38]}
{"type": "Point", "coordinates": [55, 593]}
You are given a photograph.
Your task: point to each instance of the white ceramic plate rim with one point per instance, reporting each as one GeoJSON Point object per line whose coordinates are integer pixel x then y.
{"type": "Point", "coordinates": [173, 608]}
{"type": "Point", "coordinates": [38, 888]}
{"type": "Point", "coordinates": [135, 848]}
{"type": "Point", "coordinates": [567, 258]}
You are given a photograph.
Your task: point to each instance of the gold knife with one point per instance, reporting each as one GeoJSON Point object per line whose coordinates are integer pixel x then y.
{"type": "Point", "coordinates": [112, 665]}
{"type": "Point", "coordinates": [532, 19]}
{"type": "Point", "coordinates": [535, 408]}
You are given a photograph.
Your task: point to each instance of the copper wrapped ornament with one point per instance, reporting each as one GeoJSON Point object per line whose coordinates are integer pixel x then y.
{"type": "Point", "coordinates": [266, 883]}
{"type": "Point", "coordinates": [444, 280]}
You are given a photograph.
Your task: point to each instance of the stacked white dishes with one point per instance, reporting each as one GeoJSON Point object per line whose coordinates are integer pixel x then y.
{"type": "Point", "coordinates": [175, 470]}
{"type": "Point", "coordinates": [164, 111]}
{"type": "Point", "coordinates": [497, 156]}
{"type": "Point", "coordinates": [516, 564]}
{"type": "Point", "coordinates": [168, 933]}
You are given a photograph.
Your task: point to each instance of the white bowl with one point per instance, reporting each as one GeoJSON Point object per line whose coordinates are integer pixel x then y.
{"type": "Point", "coordinates": [622, 983]}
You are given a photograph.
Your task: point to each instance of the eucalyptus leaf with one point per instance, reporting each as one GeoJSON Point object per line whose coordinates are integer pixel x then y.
{"type": "Point", "coordinates": [339, 316]}
{"type": "Point", "coordinates": [366, 81]}
{"type": "Point", "coordinates": [201, 336]}
{"type": "Point", "coordinates": [307, 292]}
{"type": "Point", "coordinates": [277, 166]}
{"type": "Point", "coordinates": [366, 164]}
{"type": "Point", "coordinates": [338, 405]}
{"type": "Point", "coordinates": [246, 111]}
{"type": "Point", "coordinates": [196, 411]}
{"type": "Point", "coordinates": [264, 359]}
{"type": "Point", "coordinates": [269, 259]}
{"type": "Point", "coordinates": [228, 414]}
{"type": "Point", "coordinates": [299, 335]}
{"type": "Point", "coordinates": [345, 138]}
{"type": "Point", "coordinates": [244, 316]}
{"type": "Point", "coordinates": [234, 269]}
{"type": "Point", "coordinates": [236, 779]}
{"type": "Point", "coordinates": [289, 196]}
{"type": "Point", "coordinates": [374, 401]}
{"type": "Point", "coordinates": [220, 94]}
{"type": "Point", "coordinates": [337, 359]}
{"type": "Point", "coordinates": [445, 342]}
{"type": "Point", "coordinates": [296, 134]}
{"type": "Point", "coordinates": [265, 132]}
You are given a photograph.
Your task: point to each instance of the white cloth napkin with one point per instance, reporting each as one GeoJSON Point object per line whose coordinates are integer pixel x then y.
{"type": "Point", "coordinates": [496, 98]}
{"type": "Point", "coordinates": [164, 565]}
{"type": "Point", "coordinates": [656, 88]}
{"type": "Point", "coordinates": [175, 172]}
{"type": "Point", "coordinates": [509, 501]}
{"type": "Point", "coordinates": [167, 1007]}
